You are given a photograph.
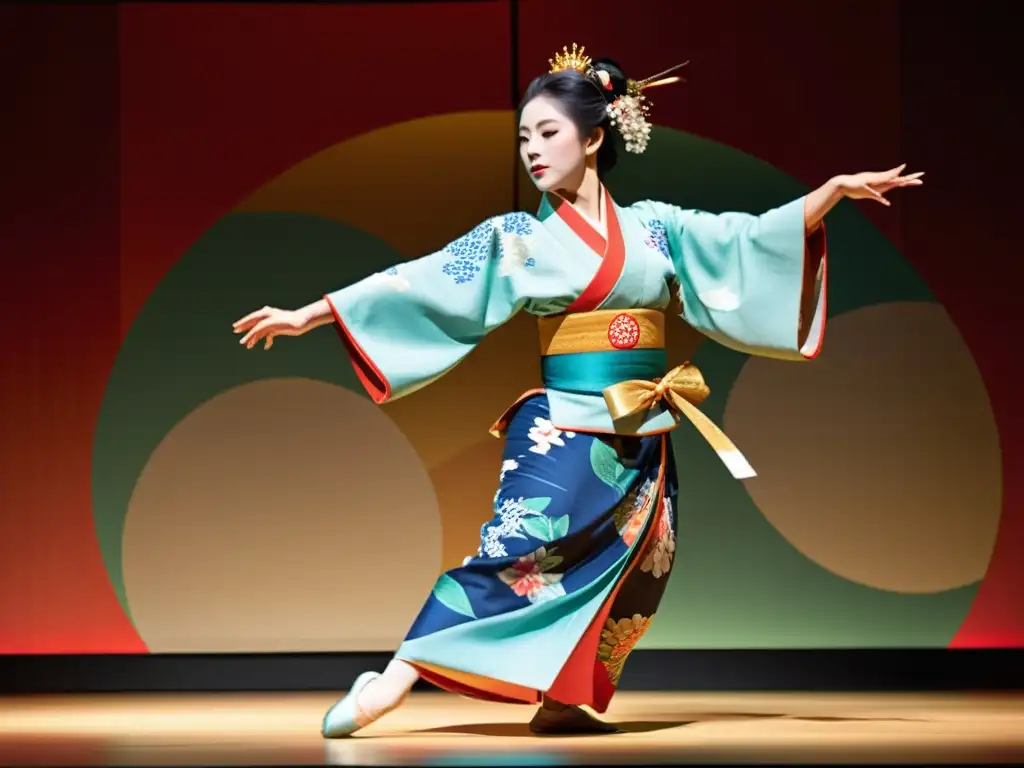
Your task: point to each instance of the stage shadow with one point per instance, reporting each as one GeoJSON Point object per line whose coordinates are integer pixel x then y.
{"type": "Point", "coordinates": [522, 729]}
{"type": "Point", "coordinates": [649, 726]}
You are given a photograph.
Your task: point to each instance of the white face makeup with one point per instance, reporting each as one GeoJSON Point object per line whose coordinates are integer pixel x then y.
{"type": "Point", "coordinates": [551, 147]}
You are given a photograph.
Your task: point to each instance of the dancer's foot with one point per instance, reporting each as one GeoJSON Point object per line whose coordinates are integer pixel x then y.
{"type": "Point", "coordinates": [346, 717]}
{"type": "Point", "coordinates": [554, 718]}
{"type": "Point", "coordinates": [372, 696]}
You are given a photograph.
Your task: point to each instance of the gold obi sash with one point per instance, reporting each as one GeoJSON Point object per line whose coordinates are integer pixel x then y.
{"type": "Point", "coordinates": [620, 354]}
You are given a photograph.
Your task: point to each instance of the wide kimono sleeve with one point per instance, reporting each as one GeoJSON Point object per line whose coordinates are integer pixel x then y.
{"type": "Point", "coordinates": [754, 283]}
{"type": "Point", "coordinates": [406, 326]}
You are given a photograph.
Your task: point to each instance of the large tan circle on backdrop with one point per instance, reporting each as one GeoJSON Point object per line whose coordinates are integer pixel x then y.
{"type": "Point", "coordinates": [282, 515]}
{"type": "Point", "coordinates": [879, 460]}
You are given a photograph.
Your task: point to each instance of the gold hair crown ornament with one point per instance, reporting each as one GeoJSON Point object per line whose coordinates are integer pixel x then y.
{"type": "Point", "coordinates": [628, 112]}
{"type": "Point", "coordinates": [575, 60]}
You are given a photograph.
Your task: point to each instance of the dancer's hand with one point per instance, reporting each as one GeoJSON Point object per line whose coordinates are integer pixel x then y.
{"type": "Point", "coordinates": [872, 185]}
{"type": "Point", "coordinates": [269, 322]}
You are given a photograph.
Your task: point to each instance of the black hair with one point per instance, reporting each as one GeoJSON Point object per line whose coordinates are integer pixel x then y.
{"type": "Point", "coordinates": [585, 101]}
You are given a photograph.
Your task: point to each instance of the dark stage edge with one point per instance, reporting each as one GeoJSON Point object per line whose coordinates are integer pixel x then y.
{"type": "Point", "coordinates": [647, 670]}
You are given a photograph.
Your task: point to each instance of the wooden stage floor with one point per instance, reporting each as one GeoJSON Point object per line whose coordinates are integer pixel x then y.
{"type": "Point", "coordinates": [443, 730]}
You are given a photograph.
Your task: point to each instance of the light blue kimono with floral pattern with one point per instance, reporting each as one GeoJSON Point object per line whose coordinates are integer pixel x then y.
{"type": "Point", "coordinates": [573, 563]}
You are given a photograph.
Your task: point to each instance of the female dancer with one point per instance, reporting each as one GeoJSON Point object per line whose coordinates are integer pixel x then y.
{"type": "Point", "coordinates": [572, 565]}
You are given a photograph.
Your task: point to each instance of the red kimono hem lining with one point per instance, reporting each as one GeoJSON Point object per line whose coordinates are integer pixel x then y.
{"type": "Point", "coordinates": [371, 377]}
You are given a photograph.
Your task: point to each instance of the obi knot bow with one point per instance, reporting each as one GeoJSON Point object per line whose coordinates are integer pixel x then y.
{"type": "Point", "coordinates": [682, 389]}
{"type": "Point", "coordinates": [683, 385]}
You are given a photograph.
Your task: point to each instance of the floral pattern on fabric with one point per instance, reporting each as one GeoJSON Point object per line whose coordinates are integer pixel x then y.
{"type": "Point", "coordinates": [518, 223]}
{"type": "Point", "coordinates": [531, 575]}
{"type": "Point", "coordinates": [470, 250]}
{"type": "Point", "coordinates": [510, 244]}
{"type": "Point", "coordinates": [544, 434]}
{"type": "Point", "coordinates": [511, 517]}
{"type": "Point", "coordinates": [630, 520]}
{"type": "Point", "coordinates": [657, 238]}
{"type": "Point", "coordinates": [617, 641]}
{"type": "Point", "coordinates": [658, 558]}
{"type": "Point", "coordinates": [516, 239]}
{"type": "Point", "coordinates": [507, 466]}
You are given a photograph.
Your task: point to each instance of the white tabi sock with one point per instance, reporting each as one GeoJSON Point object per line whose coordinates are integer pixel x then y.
{"type": "Point", "coordinates": [389, 690]}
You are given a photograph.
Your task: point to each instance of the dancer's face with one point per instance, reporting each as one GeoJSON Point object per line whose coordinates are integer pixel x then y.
{"type": "Point", "coordinates": [551, 147]}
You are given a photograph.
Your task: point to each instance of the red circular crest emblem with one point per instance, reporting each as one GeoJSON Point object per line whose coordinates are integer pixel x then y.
{"type": "Point", "coordinates": [624, 332]}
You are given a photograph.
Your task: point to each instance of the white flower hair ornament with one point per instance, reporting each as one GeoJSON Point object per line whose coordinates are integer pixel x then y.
{"type": "Point", "coordinates": [627, 113]}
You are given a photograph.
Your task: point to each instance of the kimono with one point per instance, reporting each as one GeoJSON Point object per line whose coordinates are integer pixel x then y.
{"type": "Point", "coordinates": [572, 565]}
